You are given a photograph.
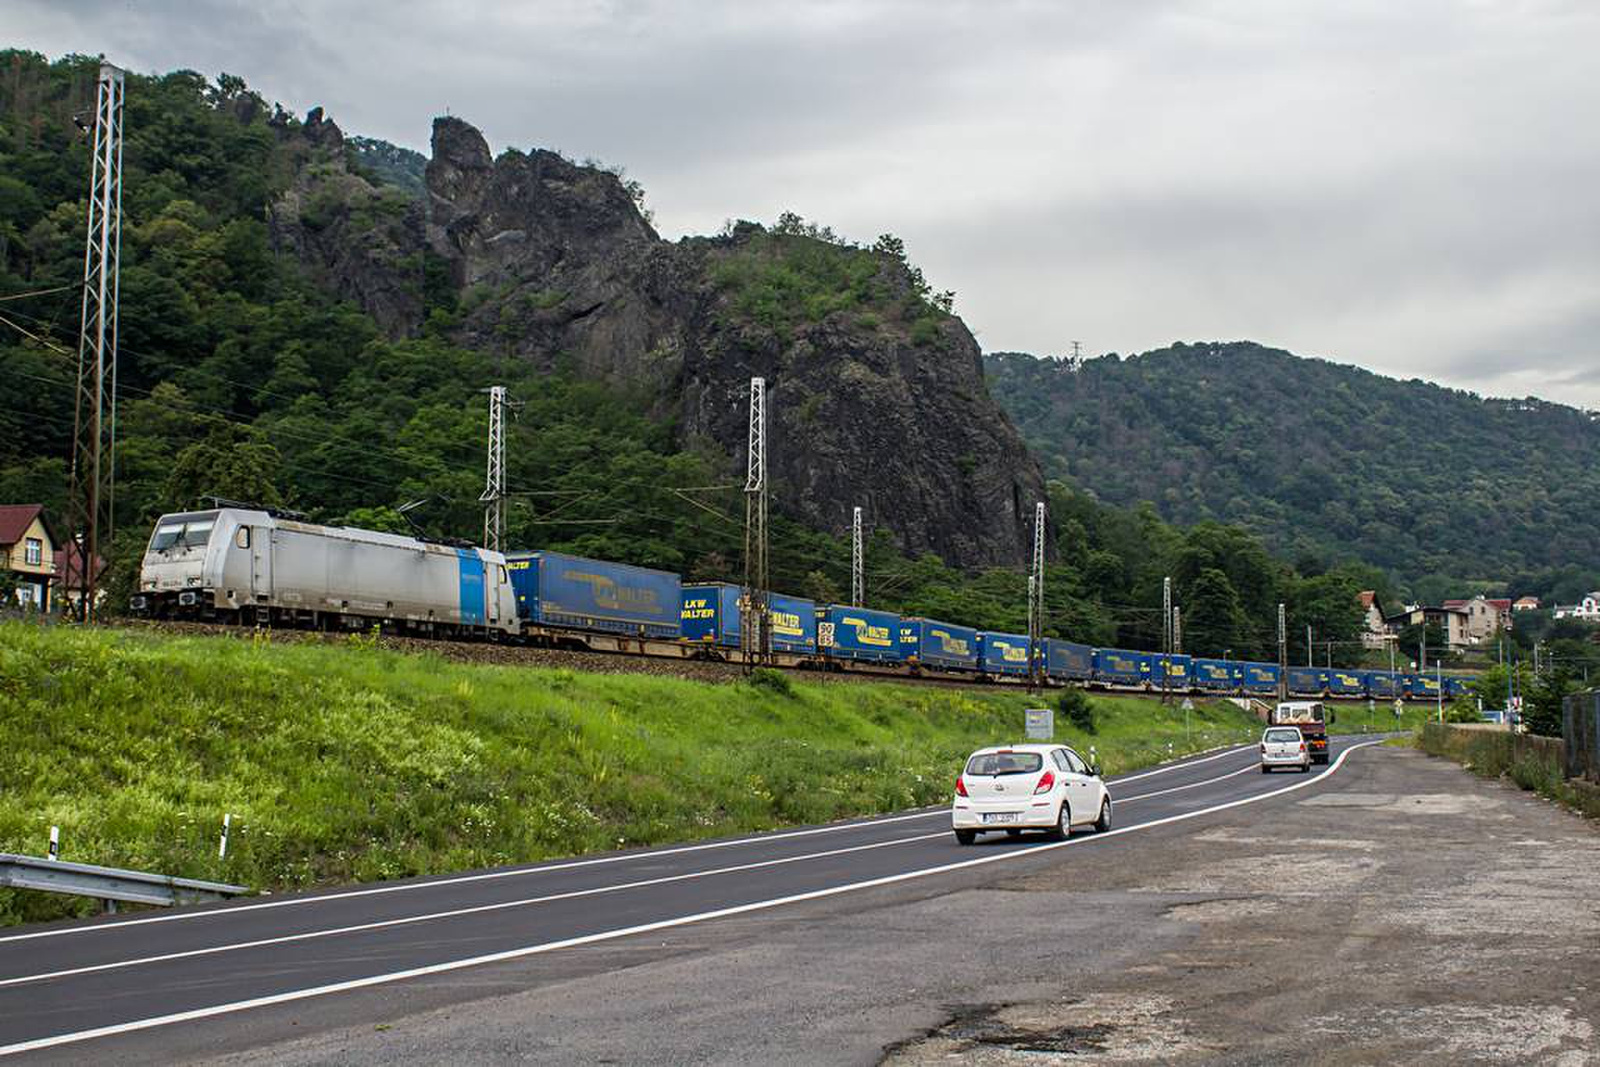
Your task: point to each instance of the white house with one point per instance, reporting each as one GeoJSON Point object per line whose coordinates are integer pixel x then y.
{"type": "Point", "coordinates": [1587, 609]}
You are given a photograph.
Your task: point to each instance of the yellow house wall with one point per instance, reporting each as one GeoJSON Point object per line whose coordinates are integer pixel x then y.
{"type": "Point", "coordinates": [16, 560]}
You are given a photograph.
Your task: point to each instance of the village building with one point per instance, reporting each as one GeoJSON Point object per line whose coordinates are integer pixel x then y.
{"type": "Point", "coordinates": [1587, 609]}
{"type": "Point", "coordinates": [28, 552]}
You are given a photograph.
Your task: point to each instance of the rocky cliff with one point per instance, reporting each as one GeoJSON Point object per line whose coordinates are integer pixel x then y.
{"type": "Point", "coordinates": [876, 395]}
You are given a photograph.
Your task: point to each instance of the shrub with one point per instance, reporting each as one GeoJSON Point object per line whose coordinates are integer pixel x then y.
{"type": "Point", "coordinates": [772, 681]}
{"type": "Point", "coordinates": [1077, 709]}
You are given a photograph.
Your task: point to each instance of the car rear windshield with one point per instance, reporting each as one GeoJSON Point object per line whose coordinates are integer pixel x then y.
{"type": "Point", "coordinates": [1283, 735]}
{"type": "Point", "coordinates": [996, 763]}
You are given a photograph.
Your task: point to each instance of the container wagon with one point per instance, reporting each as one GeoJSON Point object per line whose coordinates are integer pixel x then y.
{"type": "Point", "coordinates": [1068, 661]}
{"type": "Point", "coordinates": [1003, 654]}
{"type": "Point", "coordinates": [1383, 685]}
{"type": "Point", "coordinates": [1117, 666]}
{"type": "Point", "coordinates": [1213, 675]}
{"type": "Point", "coordinates": [1307, 681]}
{"type": "Point", "coordinates": [939, 645]}
{"type": "Point", "coordinates": [861, 634]}
{"type": "Point", "coordinates": [1455, 685]}
{"type": "Point", "coordinates": [1258, 677]}
{"type": "Point", "coordinates": [710, 616]}
{"type": "Point", "coordinates": [1177, 669]}
{"type": "Point", "coordinates": [569, 592]}
{"type": "Point", "coordinates": [1344, 683]}
{"type": "Point", "coordinates": [1422, 686]}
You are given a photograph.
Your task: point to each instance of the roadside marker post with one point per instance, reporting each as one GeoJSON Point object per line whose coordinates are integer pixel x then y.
{"type": "Point", "coordinates": [222, 847]}
{"type": "Point", "coordinates": [55, 842]}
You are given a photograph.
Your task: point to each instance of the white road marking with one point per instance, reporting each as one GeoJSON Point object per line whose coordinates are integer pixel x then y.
{"type": "Point", "coordinates": [521, 872]}
{"type": "Point", "coordinates": [1181, 788]}
{"type": "Point", "coordinates": [525, 901]}
{"type": "Point", "coordinates": [1189, 763]}
{"type": "Point", "coordinates": [663, 924]}
{"type": "Point", "coordinates": [456, 912]}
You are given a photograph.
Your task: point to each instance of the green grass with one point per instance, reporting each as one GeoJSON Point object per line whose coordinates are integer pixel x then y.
{"type": "Point", "coordinates": [1353, 717]}
{"type": "Point", "coordinates": [349, 763]}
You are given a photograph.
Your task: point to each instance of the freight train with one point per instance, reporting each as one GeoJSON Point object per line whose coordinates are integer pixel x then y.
{"type": "Point", "coordinates": [258, 567]}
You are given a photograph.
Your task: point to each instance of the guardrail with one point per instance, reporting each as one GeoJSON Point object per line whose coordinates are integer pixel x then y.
{"type": "Point", "coordinates": [109, 884]}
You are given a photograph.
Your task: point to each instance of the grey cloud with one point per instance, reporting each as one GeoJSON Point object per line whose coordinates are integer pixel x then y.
{"type": "Point", "coordinates": [1404, 186]}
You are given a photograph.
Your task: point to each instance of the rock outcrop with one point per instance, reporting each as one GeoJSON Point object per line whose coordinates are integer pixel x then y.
{"type": "Point", "coordinates": [876, 400]}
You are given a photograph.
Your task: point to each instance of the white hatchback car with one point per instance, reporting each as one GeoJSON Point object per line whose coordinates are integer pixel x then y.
{"type": "Point", "coordinates": [1284, 746]}
{"type": "Point", "coordinates": [1028, 787]}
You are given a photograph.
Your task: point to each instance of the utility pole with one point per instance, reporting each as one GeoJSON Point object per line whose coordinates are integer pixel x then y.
{"type": "Point", "coordinates": [1166, 637]}
{"type": "Point", "coordinates": [1077, 351]}
{"type": "Point", "coordinates": [1283, 653]}
{"type": "Point", "coordinates": [493, 497]}
{"type": "Point", "coordinates": [91, 494]}
{"type": "Point", "coordinates": [858, 570]}
{"type": "Point", "coordinates": [1308, 646]}
{"type": "Point", "coordinates": [755, 637]}
{"type": "Point", "coordinates": [1036, 601]}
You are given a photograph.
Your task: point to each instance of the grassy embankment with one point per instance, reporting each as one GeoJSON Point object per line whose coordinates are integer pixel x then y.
{"type": "Point", "coordinates": [349, 762]}
{"type": "Point", "coordinates": [1534, 763]}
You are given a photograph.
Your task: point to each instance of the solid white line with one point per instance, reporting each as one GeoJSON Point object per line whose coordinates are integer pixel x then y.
{"type": "Point", "coordinates": [457, 912]}
{"type": "Point", "coordinates": [611, 935]}
{"type": "Point", "coordinates": [1180, 788]}
{"type": "Point", "coordinates": [520, 872]}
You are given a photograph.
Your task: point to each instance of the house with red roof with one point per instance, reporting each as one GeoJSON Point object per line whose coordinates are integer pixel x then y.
{"type": "Point", "coordinates": [28, 551]}
{"type": "Point", "coordinates": [1484, 614]}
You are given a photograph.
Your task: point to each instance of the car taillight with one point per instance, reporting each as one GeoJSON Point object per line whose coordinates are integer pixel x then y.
{"type": "Point", "coordinates": [1302, 746]}
{"type": "Point", "coordinates": [961, 786]}
{"type": "Point", "coordinates": [1047, 782]}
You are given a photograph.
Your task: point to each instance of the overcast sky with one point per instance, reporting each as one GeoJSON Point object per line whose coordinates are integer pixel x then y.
{"type": "Point", "coordinates": [1409, 186]}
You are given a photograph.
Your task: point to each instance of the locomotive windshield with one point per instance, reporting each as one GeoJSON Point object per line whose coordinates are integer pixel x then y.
{"type": "Point", "coordinates": [182, 531]}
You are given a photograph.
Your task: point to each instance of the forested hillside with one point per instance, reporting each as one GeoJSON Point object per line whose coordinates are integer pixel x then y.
{"type": "Point", "coordinates": [1443, 488]}
{"type": "Point", "coordinates": [248, 372]}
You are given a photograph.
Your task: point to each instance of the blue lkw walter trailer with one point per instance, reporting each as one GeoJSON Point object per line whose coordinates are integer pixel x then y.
{"type": "Point", "coordinates": [1306, 681]}
{"type": "Point", "coordinates": [1067, 659]}
{"type": "Point", "coordinates": [1346, 683]}
{"type": "Point", "coordinates": [1383, 684]}
{"type": "Point", "coordinates": [1118, 666]}
{"type": "Point", "coordinates": [555, 589]}
{"type": "Point", "coordinates": [942, 645]}
{"type": "Point", "coordinates": [844, 632]}
{"type": "Point", "coordinates": [1258, 677]}
{"type": "Point", "coordinates": [1213, 674]}
{"type": "Point", "coordinates": [1177, 668]}
{"type": "Point", "coordinates": [710, 615]}
{"type": "Point", "coordinates": [1003, 653]}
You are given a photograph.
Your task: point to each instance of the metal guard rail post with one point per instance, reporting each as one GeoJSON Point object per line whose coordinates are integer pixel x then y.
{"type": "Point", "coordinates": [109, 884]}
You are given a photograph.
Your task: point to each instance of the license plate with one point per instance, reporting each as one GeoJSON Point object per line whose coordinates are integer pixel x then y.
{"type": "Point", "coordinates": [1001, 816]}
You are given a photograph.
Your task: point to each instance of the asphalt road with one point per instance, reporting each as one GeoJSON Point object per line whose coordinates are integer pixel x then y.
{"type": "Point", "coordinates": [231, 978]}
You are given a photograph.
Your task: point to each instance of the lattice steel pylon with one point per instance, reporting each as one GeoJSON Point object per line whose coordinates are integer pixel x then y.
{"type": "Point", "coordinates": [1036, 601]}
{"type": "Point", "coordinates": [1177, 630]}
{"type": "Point", "coordinates": [858, 564]}
{"type": "Point", "coordinates": [494, 490]}
{"type": "Point", "coordinates": [1166, 638]}
{"type": "Point", "coordinates": [755, 631]}
{"type": "Point", "coordinates": [92, 489]}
